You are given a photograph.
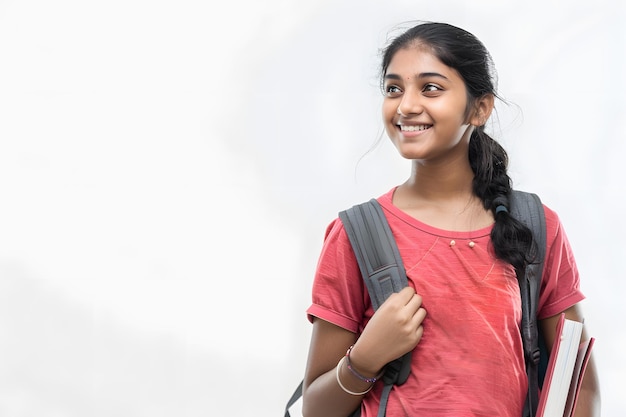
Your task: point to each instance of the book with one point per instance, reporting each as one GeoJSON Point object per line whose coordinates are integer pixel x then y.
{"type": "Point", "coordinates": [566, 368]}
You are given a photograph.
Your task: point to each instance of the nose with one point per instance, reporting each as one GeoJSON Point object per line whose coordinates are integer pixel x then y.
{"type": "Point", "coordinates": [411, 103]}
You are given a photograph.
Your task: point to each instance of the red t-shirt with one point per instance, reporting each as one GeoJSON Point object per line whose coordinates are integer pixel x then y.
{"type": "Point", "coordinates": [470, 360]}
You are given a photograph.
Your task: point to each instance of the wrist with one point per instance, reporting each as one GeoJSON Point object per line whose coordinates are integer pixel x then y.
{"type": "Point", "coordinates": [342, 369]}
{"type": "Point", "coordinates": [360, 370]}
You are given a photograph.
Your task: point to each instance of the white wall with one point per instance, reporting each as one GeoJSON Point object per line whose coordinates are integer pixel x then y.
{"type": "Point", "coordinates": [167, 169]}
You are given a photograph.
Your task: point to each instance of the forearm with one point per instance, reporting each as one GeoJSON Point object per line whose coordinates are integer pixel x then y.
{"type": "Point", "coordinates": [329, 385]}
{"type": "Point", "coordinates": [588, 404]}
{"type": "Point", "coordinates": [324, 397]}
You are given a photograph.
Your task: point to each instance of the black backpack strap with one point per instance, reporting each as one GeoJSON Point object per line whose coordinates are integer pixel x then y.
{"type": "Point", "coordinates": [382, 270]}
{"type": "Point", "coordinates": [528, 208]}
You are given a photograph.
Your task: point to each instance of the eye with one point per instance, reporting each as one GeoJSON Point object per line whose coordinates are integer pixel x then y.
{"type": "Point", "coordinates": [431, 89]}
{"type": "Point", "coordinates": [392, 91]}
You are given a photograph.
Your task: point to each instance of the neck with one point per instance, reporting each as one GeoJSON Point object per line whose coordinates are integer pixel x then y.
{"type": "Point", "coordinates": [451, 180]}
{"type": "Point", "coordinates": [442, 196]}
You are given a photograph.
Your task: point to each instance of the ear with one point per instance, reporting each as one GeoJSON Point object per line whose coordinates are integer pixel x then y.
{"type": "Point", "coordinates": [482, 110]}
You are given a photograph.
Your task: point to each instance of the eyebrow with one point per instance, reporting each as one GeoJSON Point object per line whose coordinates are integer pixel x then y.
{"type": "Point", "coordinates": [420, 75]}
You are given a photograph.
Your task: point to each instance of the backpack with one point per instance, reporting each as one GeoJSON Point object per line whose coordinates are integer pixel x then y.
{"type": "Point", "coordinates": [383, 272]}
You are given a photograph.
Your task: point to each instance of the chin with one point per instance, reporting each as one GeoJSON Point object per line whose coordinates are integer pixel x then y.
{"type": "Point", "coordinates": [411, 154]}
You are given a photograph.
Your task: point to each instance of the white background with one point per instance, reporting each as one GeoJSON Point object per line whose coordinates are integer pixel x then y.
{"type": "Point", "coordinates": [168, 168]}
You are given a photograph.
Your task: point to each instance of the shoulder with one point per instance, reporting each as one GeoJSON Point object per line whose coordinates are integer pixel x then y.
{"type": "Point", "coordinates": [553, 223]}
{"type": "Point", "coordinates": [560, 288]}
{"type": "Point", "coordinates": [528, 205]}
{"type": "Point", "coordinates": [336, 235]}
{"type": "Point", "coordinates": [386, 199]}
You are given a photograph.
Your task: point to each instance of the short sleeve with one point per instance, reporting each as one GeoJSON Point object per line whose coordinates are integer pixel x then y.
{"type": "Point", "coordinates": [560, 287]}
{"type": "Point", "coordinates": [338, 290]}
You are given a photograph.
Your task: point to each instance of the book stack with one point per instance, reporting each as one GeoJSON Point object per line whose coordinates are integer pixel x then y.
{"type": "Point", "coordinates": [566, 368]}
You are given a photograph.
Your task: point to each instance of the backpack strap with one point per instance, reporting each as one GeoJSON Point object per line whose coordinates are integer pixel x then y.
{"type": "Point", "coordinates": [375, 249]}
{"type": "Point", "coordinates": [527, 208]}
{"type": "Point", "coordinates": [294, 397]}
{"type": "Point", "coordinates": [383, 272]}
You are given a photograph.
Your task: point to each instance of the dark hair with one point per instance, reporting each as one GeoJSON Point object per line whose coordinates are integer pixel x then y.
{"type": "Point", "coordinates": [462, 51]}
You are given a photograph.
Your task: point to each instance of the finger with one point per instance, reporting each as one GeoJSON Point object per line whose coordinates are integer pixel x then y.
{"type": "Point", "coordinates": [406, 293]}
{"type": "Point", "coordinates": [414, 303]}
{"type": "Point", "coordinates": [420, 315]}
{"type": "Point", "coordinates": [418, 318]}
{"type": "Point", "coordinates": [419, 333]}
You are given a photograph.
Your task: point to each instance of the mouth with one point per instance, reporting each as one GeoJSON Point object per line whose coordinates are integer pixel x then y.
{"type": "Point", "coordinates": [414, 128]}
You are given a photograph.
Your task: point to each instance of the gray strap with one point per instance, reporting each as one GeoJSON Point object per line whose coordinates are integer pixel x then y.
{"type": "Point", "coordinates": [294, 397]}
{"type": "Point", "coordinates": [375, 250]}
{"type": "Point", "coordinates": [384, 397]}
{"type": "Point", "coordinates": [383, 272]}
{"type": "Point", "coordinates": [527, 208]}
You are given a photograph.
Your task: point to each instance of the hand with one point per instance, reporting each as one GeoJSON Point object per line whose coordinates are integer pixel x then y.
{"type": "Point", "coordinates": [394, 329]}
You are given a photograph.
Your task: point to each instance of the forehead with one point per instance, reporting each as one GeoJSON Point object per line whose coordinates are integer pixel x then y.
{"type": "Point", "coordinates": [415, 60]}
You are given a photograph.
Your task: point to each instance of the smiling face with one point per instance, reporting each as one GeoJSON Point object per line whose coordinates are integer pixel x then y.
{"type": "Point", "coordinates": [425, 109]}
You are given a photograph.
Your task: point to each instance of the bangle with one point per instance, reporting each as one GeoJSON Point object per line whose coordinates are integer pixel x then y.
{"type": "Point", "coordinates": [356, 373]}
{"type": "Point", "coordinates": [344, 388]}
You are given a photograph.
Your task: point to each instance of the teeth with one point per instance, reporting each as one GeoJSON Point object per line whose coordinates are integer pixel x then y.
{"type": "Point", "coordinates": [413, 128]}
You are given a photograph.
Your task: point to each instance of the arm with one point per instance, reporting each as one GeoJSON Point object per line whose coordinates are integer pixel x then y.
{"type": "Point", "coordinates": [589, 398]}
{"type": "Point", "coordinates": [394, 329]}
{"type": "Point", "coordinates": [322, 395]}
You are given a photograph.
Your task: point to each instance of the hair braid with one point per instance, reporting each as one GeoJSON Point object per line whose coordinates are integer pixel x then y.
{"type": "Point", "coordinates": [512, 240]}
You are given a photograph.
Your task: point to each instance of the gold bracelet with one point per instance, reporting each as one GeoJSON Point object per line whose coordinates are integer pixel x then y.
{"type": "Point", "coordinates": [344, 388]}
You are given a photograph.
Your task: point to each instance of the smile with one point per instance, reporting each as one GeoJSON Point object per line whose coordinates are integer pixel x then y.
{"type": "Point", "coordinates": [417, 128]}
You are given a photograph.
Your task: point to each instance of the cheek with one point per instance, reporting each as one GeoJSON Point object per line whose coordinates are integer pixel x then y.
{"type": "Point", "coordinates": [388, 118]}
{"type": "Point", "coordinates": [453, 115]}
{"type": "Point", "coordinates": [389, 110]}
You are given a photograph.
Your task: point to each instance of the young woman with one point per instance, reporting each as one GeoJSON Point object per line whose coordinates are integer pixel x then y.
{"type": "Point", "coordinates": [461, 313]}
